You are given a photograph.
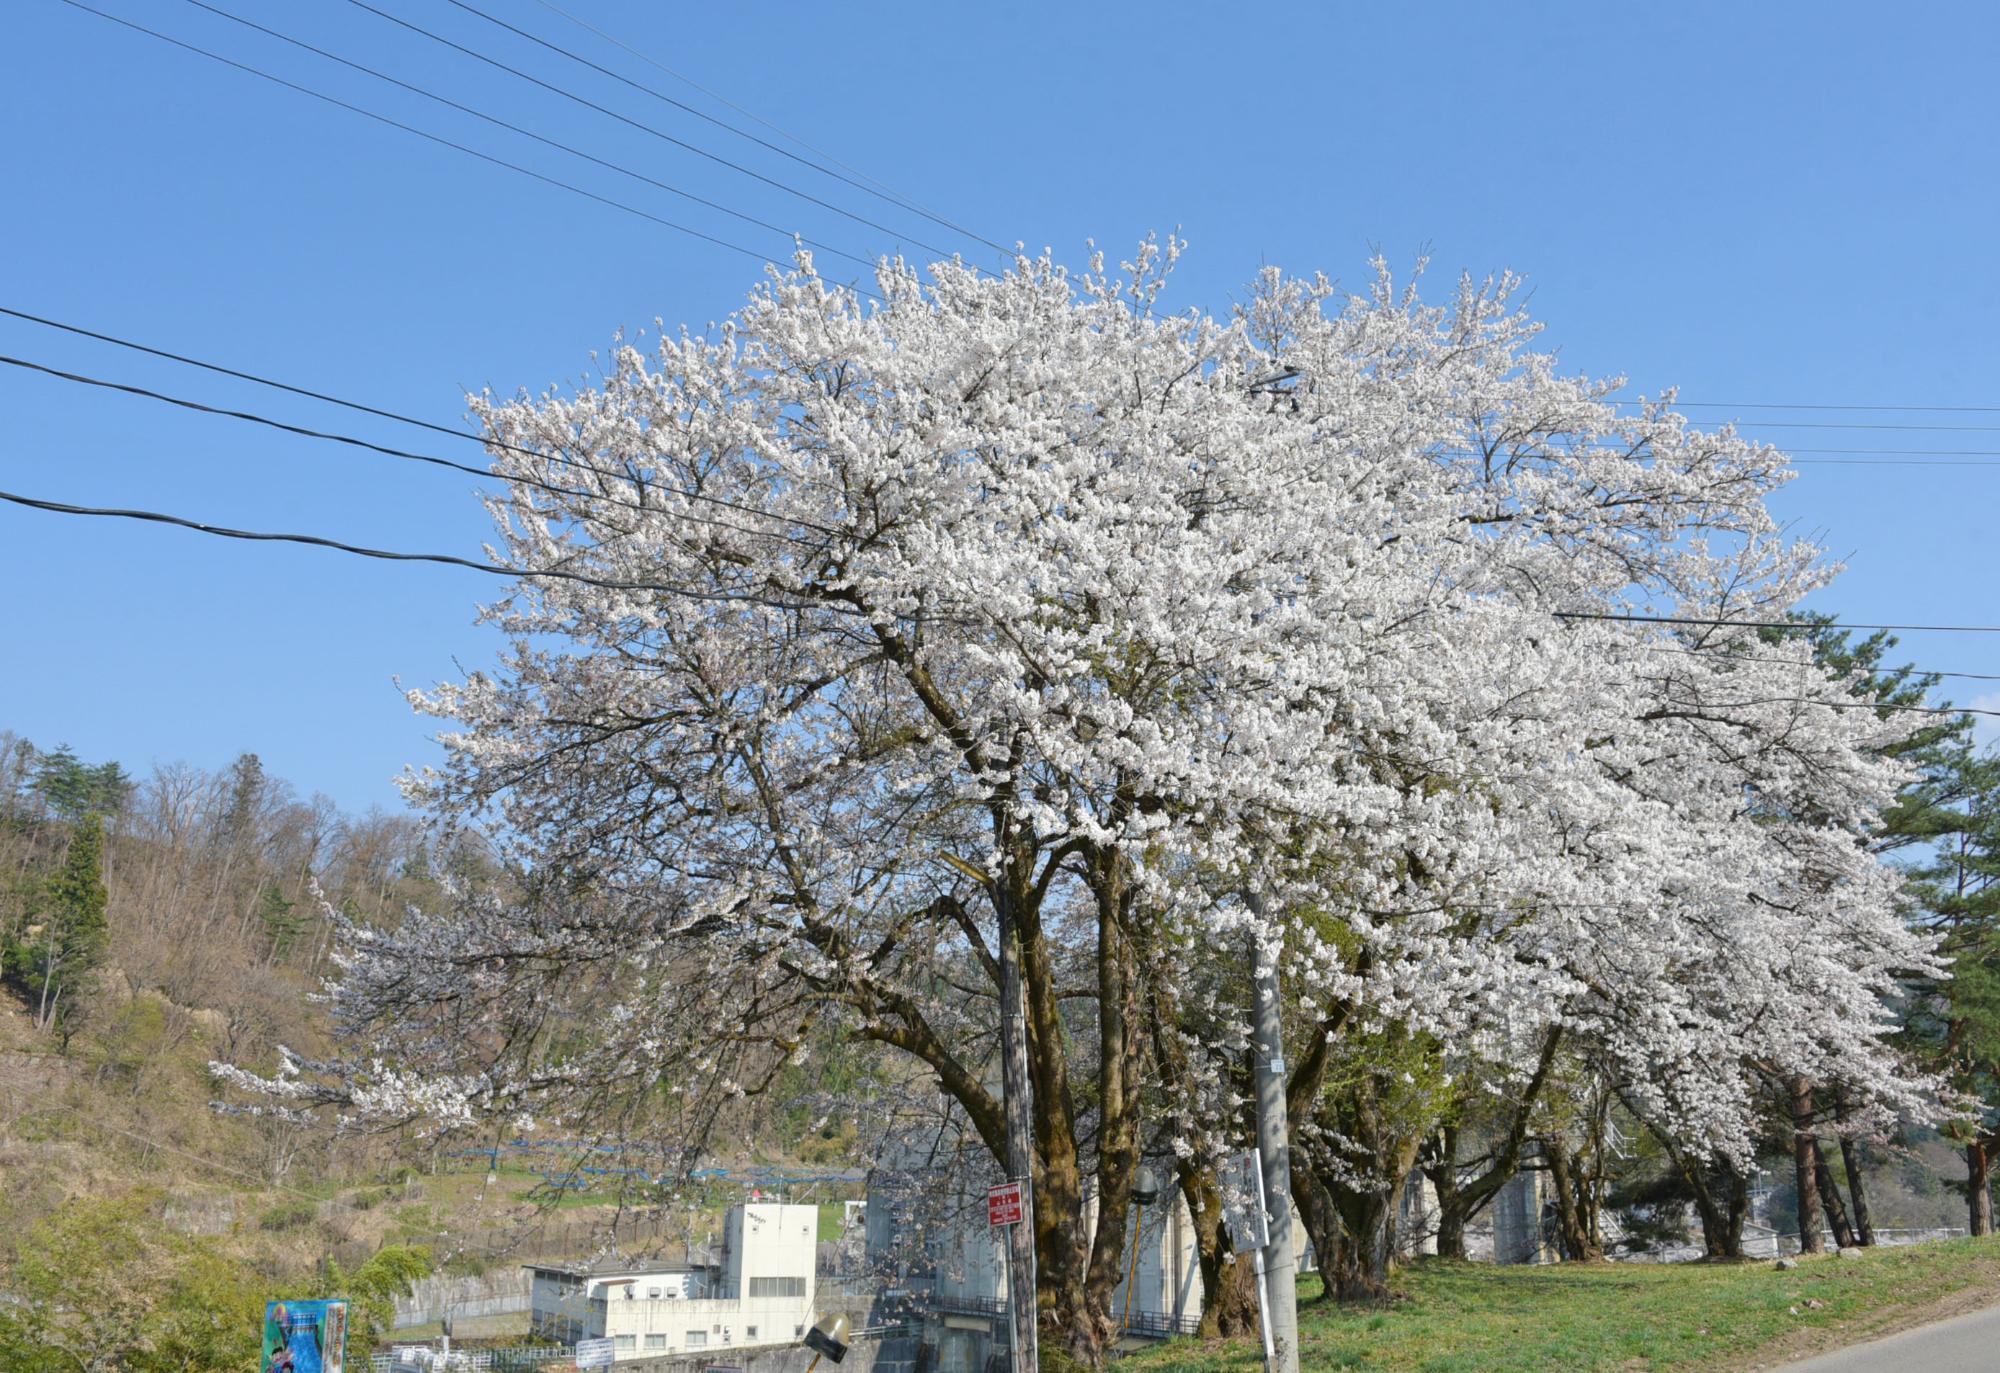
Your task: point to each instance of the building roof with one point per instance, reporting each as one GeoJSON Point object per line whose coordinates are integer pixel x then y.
{"type": "Point", "coordinates": [649, 1270]}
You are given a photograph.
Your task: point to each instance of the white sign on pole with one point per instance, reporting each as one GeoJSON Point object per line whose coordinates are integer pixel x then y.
{"type": "Point", "coordinates": [595, 1353]}
{"type": "Point", "coordinates": [1241, 1178]}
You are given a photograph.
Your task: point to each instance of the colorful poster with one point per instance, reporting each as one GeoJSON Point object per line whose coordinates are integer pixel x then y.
{"type": "Point", "coordinates": [304, 1336]}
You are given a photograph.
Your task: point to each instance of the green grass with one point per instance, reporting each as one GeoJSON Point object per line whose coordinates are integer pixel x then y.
{"type": "Point", "coordinates": [1477, 1318]}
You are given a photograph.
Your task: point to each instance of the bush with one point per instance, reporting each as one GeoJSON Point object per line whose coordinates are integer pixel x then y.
{"type": "Point", "coordinates": [289, 1215]}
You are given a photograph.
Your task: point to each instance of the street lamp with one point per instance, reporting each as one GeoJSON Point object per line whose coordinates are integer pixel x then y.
{"type": "Point", "coordinates": [827, 1339]}
{"type": "Point", "coordinates": [1145, 1191]}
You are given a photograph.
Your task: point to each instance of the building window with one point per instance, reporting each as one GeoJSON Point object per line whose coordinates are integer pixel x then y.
{"type": "Point", "coordinates": [623, 1343]}
{"type": "Point", "coordinates": [697, 1339]}
{"type": "Point", "coordinates": [749, 1332]}
{"type": "Point", "coordinates": [652, 1294]}
{"type": "Point", "coordinates": [656, 1341]}
{"type": "Point", "coordinates": [777, 1287]}
{"type": "Point", "coordinates": [798, 1332]}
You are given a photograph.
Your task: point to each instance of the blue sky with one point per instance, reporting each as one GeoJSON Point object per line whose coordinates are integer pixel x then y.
{"type": "Point", "coordinates": [1772, 203]}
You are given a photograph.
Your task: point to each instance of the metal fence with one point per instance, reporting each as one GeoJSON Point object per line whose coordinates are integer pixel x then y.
{"type": "Point", "coordinates": [519, 1359]}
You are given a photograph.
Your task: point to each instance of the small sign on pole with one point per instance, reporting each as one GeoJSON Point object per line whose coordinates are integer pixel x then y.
{"type": "Point", "coordinates": [595, 1353]}
{"type": "Point", "coordinates": [1003, 1204]}
{"type": "Point", "coordinates": [1241, 1178]}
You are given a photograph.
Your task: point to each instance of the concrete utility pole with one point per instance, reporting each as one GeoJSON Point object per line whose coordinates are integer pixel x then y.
{"type": "Point", "coordinates": [1274, 1141]}
{"type": "Point", "coordinates": [1019, 1106]}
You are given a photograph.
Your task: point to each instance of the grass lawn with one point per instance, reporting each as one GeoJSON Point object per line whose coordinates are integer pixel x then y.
{"type": "Point", "coordinates": [1573, 1318]}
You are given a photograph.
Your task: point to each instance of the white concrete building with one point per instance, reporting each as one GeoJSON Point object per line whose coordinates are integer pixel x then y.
{"type": "Point", "coordinates": [761, 1293]}
{"type": "Point", "coordinates": [1165, 1296]}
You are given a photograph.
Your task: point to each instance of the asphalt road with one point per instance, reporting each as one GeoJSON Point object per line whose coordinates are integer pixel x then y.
{"type": "Point", "coordinates": [1963, 1344]}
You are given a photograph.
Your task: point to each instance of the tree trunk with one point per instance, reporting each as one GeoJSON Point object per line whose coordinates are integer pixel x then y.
{"type": "Point", "coordinates": [1978, 1199]}
{"type": "Point", "coordinates": [1317, 1213]}
{"type": "Point", "coordinates": [1573, 1234]}
{"type": "Point", "coordinates": [1460, 1201]}
{"type": "Point", "coordinates": [1850, 1158]}
{"type": "Point", "coordinates": [1722, 1200]}
{"type": "Point", "coordinates": [1804, 1152]}
{"type": "Point", "coordinates": [1829, 1196]}
{"type": "Point", "coordinates": [1451, 1215]}
{"type": "Point", "coordinates": [1739, 1211]}
{"type": "Point", "coordinates": [1360, 1270]}
{"type": "Point", "coordinates": [1229, 1290]}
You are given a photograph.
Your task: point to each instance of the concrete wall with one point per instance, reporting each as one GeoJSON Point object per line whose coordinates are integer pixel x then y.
{"type": "Point", "coordinates": [1168, 1280]}
{"type": "Point", "coordinates": [1517, 1220]}
{"type": "Point", "coordinates": [865, 1356]}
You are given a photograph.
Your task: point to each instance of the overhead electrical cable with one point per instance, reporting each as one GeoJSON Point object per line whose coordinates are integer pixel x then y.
{"type": "Point", "coordinates": [857, 182]}
{"type": "Point", "coordinates": [440, 140]}
{"type": "Point", "coordinates": [1883, 706]}
{"type": "Point", "coordinates": [1796, 626]}
{"type": "Point", "coordinates": [1811, 405]}
{"type": "Point", "coordinates": [646, 128]}
{"type": "Point", "coordinates": [430, 458]}
{"type": "Point", "coordinates": [498, 122]}
{"type": "Point", "coordinates": [391, 555]}
{"type": "Point", "coordinates": [1844, 424]}
{"type": "Point", "coordinates": [727, 597]}
{"type": "Point", "coordinates": [750, 114]}
{"type": "Point", "coordinates": [1916, 457]}
{"type": "Point", "coordinates": [413, 421]}
{"type": "Point", "coordinates": [1725, 656]}
{"type": "Point", "coordinates": [1890, 462]}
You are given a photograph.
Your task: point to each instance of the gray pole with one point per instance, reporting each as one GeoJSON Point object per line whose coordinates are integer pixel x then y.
{"type": "Point", "coordinates": [1267, 1050]}
{"type": "Point", "coordinates": [1019, 1101]}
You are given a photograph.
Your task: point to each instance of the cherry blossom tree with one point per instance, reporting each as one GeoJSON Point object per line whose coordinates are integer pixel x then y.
{"type": "Point", "coordinates": [1022, 590]}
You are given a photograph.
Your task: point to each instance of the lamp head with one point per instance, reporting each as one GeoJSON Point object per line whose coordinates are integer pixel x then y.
{"type": "Point", "coordinates": [829, 1337]}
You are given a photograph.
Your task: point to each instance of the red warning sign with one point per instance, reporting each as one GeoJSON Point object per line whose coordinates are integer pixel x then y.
{"type": "Point", "coordinates": [1003, 1204]}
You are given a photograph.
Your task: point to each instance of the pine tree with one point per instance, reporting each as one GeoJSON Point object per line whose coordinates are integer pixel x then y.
{"type": "Point", "coordinates": [65, 937]}
{"type": "Point", "coordinates": [1957, 894]}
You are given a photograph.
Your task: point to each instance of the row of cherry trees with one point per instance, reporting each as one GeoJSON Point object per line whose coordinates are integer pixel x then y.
{"type": "Point", "coordinates": [1024, 591]}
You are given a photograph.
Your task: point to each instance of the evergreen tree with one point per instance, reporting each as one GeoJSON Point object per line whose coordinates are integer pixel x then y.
{"type": "Point", "coordinates": [1957, 894]}
{"type": "Point", "coordinates": [65, 785]}
{"type": "Point", "coordinates": [246, 797]}
{"type": "Point", "coordinates": [65, 937]}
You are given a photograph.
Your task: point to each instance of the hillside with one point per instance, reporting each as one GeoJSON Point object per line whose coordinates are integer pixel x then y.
{"type": "Point", "coordinates": [210, 944]}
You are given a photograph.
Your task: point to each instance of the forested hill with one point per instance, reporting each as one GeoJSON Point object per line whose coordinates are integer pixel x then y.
{"type": "Point", "coordinates": [205, 879]}
{"type": "Point", "coordinates": [148, 925]}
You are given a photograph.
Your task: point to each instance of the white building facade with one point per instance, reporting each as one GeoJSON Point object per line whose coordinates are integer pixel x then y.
{"type": "Point", "coordinates": [761, 1293]}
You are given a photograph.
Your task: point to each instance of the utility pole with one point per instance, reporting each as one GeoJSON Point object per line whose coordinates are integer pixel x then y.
{"type": "Point", "coordinates": [1019, 1107]}
{"type": "Point", "coordinates": [1267, 1051]}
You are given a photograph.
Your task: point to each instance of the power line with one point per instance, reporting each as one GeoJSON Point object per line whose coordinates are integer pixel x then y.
{"type": "Point", "coordinates": [1844, 424]}
{"type": "Point", "coordinates": [498, 122]}
{"type": "Point", "coordinates": [858, 183]}
{"type": "Point", "coordinates": [1916, 457]}
{"type": "Point", "coordinates": [429, 458]}
{"type": "Point", "coordinates": [199, 1158]}
{"type": "Point", "coordinates": [439, 139]}
{"type": "Point", "coordinates": [1913, 453]}
{"type": "Point", "coordinates": [411, 420]}
{"type": "Point", "coordinates": [1803, 662]}
{"type": "Point", "coordinates": [724, 100]}
{"type": "Point", "coordinates": [391, 555]}
{"type": "Point", "coordinates": [1887, 462]}
{"type": "Point", "coordinates": [1839, 705]}
{"type": "Point", "coordinates": [1809, 405]}
{"type": "Point", "coordinates": [643, 127]}
{"type": "Point", "coordinates": [1794, 625]}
